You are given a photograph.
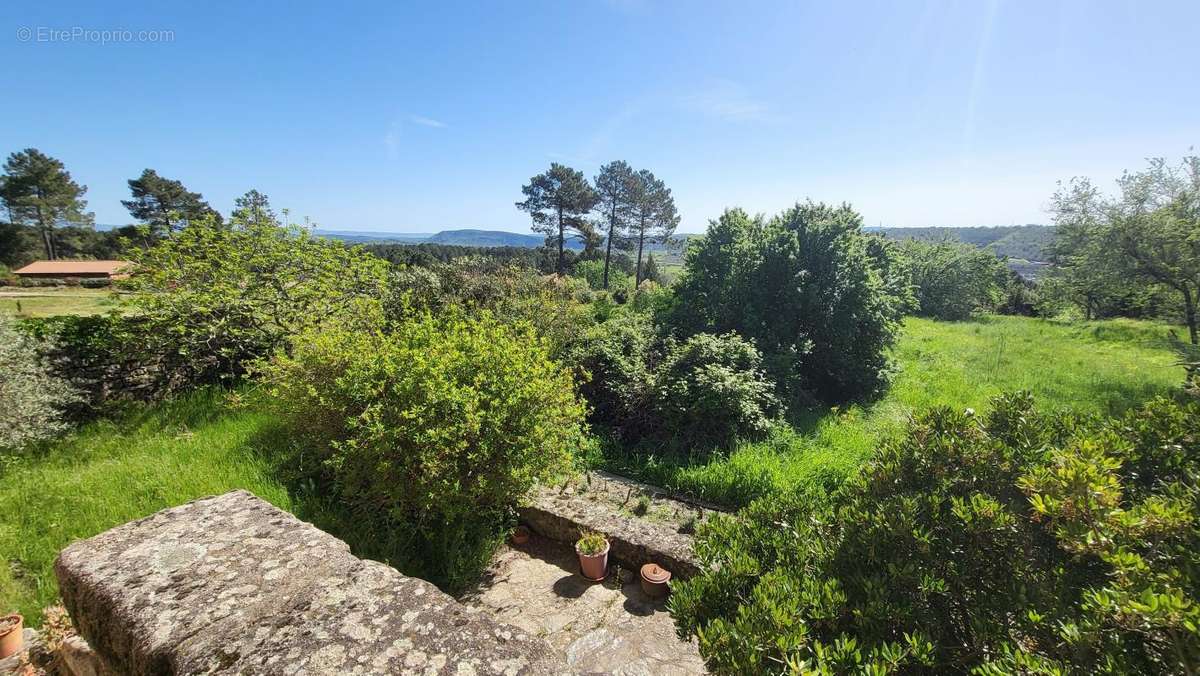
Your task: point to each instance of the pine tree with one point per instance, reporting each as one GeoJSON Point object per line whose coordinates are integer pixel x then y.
{"type": "Point", "coordinates": [558, 201]}
{"type": "Point", "coordinates": [164, 204]}
{"type": "Point", "coordinates": [654, 215]}
{"type": "Point", "coordinates": [615, 184]}
{"type": "Point", "coordinates": [39, 192]}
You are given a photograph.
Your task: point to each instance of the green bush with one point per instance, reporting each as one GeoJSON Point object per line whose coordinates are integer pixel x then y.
{"type": "Point", "coordinates": [512, 293]}
{"type": "Point", "coordinates": [953, 280]}
{"type": "Point", "coordinates": [696, 395]}
{"type": "Point", "coordinates": [807, 288]}
{"type": "Point", "coordinates": [431, 430]}
{"type": "Point", "coordinates": [33, 400]}
{"type": "Point", "coordinates": [1016, 543]}
{"type": "Point", "coordinates": [711, 390]}
{"type": "Point", "coordinates": [216, 298]}
{"type": "Point", "coordinates": [613, 360]}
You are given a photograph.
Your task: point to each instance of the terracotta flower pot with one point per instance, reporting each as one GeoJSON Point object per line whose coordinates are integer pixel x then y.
{"type": "Point", "coordinates": [520, 535]}
{"type": "Point", "coordinates": [655, 580]}
{"type": "Point", "coordinates": [594, 566]}
{"type": "Point", "coordinates": [12, 635]}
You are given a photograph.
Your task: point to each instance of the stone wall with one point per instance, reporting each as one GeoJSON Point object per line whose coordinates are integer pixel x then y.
{"type": "Point", "coordinates": [233, 585]}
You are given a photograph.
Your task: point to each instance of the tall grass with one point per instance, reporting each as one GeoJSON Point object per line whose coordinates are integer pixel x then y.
{"type": "Point", "coordinates": [1096, 367]}
{"type": "Point", "coordinates": [109, 473]}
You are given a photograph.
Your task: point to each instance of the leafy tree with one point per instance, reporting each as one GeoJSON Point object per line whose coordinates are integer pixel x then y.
{"type": "Point", "coordinates": [1150, 232]}
{"type": "Point", "coordinates": [558, 201]}
{"type": "Point", "coordinates": [1016, 543]}
{"type": "Point", "coordinates": [165, 205]}
{"type": "Point", "coordinates": [254, 208]}
{"type": "Point", "coordinates": [39, 192]}
{"type": "Point", "coordinates": [654, 216]}
{"type": "Point", "coordinates": [615, 185]}
{"type": "Point", "coordinates": [953, 280]}
{"type": "Point", "coordinates": [805, 288]}
{"type": "Point", "coordinates": [214, 299]}
{"type": "Point", "coordinates": [428, 430]}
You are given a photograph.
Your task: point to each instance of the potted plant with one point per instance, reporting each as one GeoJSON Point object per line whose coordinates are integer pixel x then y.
{"type": "Point", "coordinates": [592, 549]}
{"type": "Point", "coordinates": [520, 535]}
{"type": "Point", "coordinates": [12, 635]}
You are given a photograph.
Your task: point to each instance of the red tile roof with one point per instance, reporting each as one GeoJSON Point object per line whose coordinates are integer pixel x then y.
{"type": "Point", "coordinates": [69, 268]}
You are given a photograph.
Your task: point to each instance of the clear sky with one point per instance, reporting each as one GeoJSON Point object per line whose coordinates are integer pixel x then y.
{"type": "Point", "coordinates": [431, 115]}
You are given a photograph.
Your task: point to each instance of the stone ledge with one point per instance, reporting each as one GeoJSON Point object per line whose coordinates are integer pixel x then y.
{"type": "Point", "coordinates": [561, 513]}
{"type": "Point", "coordinates": [230, 584]}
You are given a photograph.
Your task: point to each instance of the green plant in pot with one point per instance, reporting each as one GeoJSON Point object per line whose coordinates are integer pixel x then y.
{"type": "Point", "coordinates": [592, 549]}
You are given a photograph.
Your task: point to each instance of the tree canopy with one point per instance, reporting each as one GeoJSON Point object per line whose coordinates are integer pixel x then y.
{"type": "Point", "coordinates": [1148, 233]}
{"type": "Point", "coordinates": [654, 216]}
{"type": "Point", "coordinates": [558, 200]}
{"type": "Point", "coordinates": [804, 287]}
{"type": "Point", "coordinates": [164, 204]}
{"type": "Point", "coordinates": [39, 192]}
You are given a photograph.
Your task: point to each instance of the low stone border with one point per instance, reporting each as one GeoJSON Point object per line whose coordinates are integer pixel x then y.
{"type": "Point", "coordinates": [232, 585]}
{"type": "Point", "coordinates": [596, 505]}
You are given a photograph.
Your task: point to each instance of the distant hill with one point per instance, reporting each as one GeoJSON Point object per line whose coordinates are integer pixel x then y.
{"type": "Point", "coordinates": [486, 238]}
{"type": "Point", "coordinates": [1026, 242]}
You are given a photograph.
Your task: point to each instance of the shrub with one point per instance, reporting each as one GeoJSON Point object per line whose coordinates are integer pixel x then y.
{"type": "Point", "coordinates": [613, 362]}
{"type": "Point", "coordinates": [711, 390]}
{"type": "Point", "coordinates": [433, 429]}
{"type": "Point", "coordinates": [953, 280]}
{"type": "Point", "coordinates": [1018, 543]}
{"type": "Point", "coordinates": [512, 293]}
{"type": "Point", "coordinates": [32, 399]}
{"type": "Point", "coordinates": [216, 298]}
{"type": "Point", "coordinates": [700, 394]}
{"type": "Point", "coordinates": [805, 288]}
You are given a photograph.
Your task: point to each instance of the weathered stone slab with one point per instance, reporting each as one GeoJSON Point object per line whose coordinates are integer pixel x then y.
{"type": "Point", "coordinates": [231, 584]}
{"type": "Point", "coordinates": [560, 513]}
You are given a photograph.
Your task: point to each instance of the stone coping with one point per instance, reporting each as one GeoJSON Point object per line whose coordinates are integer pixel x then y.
{"type": "Point", "coordinates": [606, 504]}
{"type": "Point", "coordinates": [232, 585]}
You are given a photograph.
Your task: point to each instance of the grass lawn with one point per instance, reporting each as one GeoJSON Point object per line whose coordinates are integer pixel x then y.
{"type": "Point", "coordinates": [49, 302]}
{"type": "Point", "coordinates": [110, 473]}
{"type": "Point", "coordinates": [1098, 367]}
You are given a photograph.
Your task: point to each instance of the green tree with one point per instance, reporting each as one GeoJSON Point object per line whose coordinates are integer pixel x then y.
{"type": "Point", "coordinates": [1150, 232]}
{"type": "Point", "coordinates": [558, 201]}
{"type": "Point", "coordinates": [39, 192]}
{"type": "Point", "coordinates": [952, 280]}
{"type": "Point", "coordinates": [165, 205]}
{"type": "Point", "coordinates": [650, 271]}
{"type": "Point", "coordinates": [215, 298]}
{"type": "Point", "coordinates": [654, 216]}
{"type": "Point", "coordinates": [616, 186]}
{"type": "Point", "coordinates": [805, 288]}
{"type": "Point", "coordinates": [254, 208]}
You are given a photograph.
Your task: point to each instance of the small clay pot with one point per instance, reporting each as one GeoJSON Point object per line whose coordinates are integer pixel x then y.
{"type": "Point", "coordinates": [12, 635]}
{"type": "Point", "coordinates": [655, 580]}
{"type": "Point", "coordinates": [594, 566]}
{"type": "Point", "coordinates": [520, 535]}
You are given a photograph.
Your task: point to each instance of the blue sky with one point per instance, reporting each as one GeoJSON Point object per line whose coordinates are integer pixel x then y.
{"type": "Point", "coordinates": [432, 115]}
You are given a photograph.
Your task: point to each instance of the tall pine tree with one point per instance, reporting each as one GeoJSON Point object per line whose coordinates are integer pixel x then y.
{"type": "Point", "coordinates": [654, 215]}
{"type": "Point", "coordinates": [615, 184]}
{"type": "Point", "coordinates": [39, 192]}
{"type": "Point", "coordinates": [558, 201]}
{"type": "Point", "coordinates": [164, 204]}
